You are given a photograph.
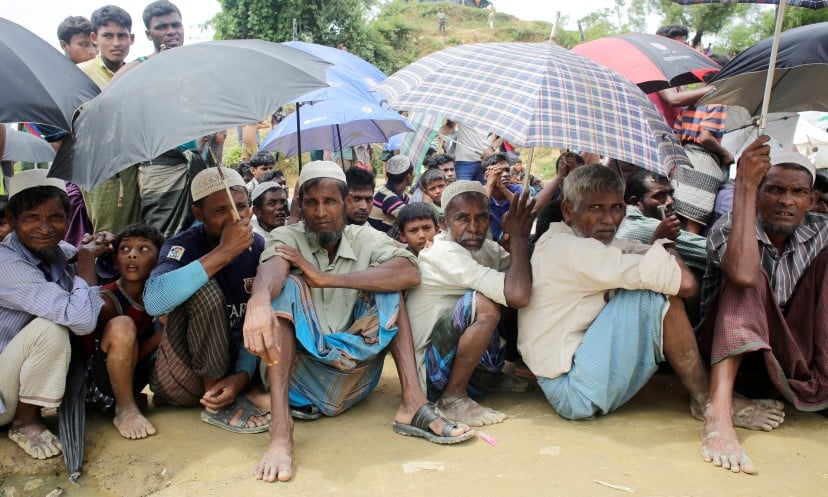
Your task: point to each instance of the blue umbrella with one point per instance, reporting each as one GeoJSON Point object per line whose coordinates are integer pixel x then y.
{"type": "Point", "coordinates": [347, 72]}
{"type": "Point", "coordinates": [335, 124]}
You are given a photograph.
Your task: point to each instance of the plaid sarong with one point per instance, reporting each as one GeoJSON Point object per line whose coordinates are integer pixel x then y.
{"type": "Point", "coordinates": [440, 352]}
{"type": "Point", "coordinates": [696, 188]}
{"type": "Point", "coordinates": [793, 343]}
{"type": "Point", "coordinates": [334, 371]}
{"type": "Point", "coordinates": [196, 345]}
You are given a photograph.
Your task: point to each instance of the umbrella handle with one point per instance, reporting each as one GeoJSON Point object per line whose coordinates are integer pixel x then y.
{"type": "Point", "coordinates": [528, 168]}
{"type": "Point", "coordinates": [236, 216]}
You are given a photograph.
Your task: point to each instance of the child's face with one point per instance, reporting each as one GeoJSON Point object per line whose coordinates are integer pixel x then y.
{"type": "Point", "coordinates": [135, 258]}
{"type": "Point", "coordinates": [417, 233]}
{"type": "Point", "coordinates": [5, 228]}
{"type": "Point", "coordinates": [434, 190]}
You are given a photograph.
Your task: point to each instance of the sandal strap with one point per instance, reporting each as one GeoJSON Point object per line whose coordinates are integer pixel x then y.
{"type": "Point", "coordinates": [424, 416]}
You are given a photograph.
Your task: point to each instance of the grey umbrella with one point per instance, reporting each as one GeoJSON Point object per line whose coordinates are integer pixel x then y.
{"type": "Point", "coordinates": [181, 94]}
{"type": "Point", "coordinates": [27, 147]}
{"type": "Point", "coordinates": [38, 83]}
{"type": "Point", "coordinates": [72, 414]}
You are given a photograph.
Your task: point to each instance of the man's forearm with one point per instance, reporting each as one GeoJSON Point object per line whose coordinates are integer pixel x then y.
{"type": "Point", "coordinates": [394, 275]}
{"type": "Point", "coordinates": [740, 261]}
{"type": "Point", "coordinates": [518, 285]}
{"type": "Point", "coordinates": [270, 278]}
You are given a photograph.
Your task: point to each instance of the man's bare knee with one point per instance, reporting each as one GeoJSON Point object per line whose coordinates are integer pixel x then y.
{"type": "Point", "coordinates": [486, 310]}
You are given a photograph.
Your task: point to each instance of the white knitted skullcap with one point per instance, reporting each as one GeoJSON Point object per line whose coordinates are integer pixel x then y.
{"type": "Point", "coordinates": [321, 169]}
{"type": "Point", "coordinates": [31, 179]}
{"type": "Point", "coordinates": [209, 181]}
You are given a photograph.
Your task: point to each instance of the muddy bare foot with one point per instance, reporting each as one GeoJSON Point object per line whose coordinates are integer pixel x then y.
{"type": "Point", "coordinates": [277, 463]}
{"type": "Point", "coordinates": [36, 440]}
{"type": "Point", "coordinates": [720, 444]}
{"type": "Point", "coordinates": [132, 424]}
{"type": "Point", "coordinates": [757, 414]}
{"type": "Point", "coordinates": [405, 415]}
{"type": "Point", "coordinates": [465, 410]}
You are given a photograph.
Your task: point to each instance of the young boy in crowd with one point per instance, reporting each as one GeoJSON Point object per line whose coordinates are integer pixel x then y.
{"type": "Point", "coordinates": [416, 226]}
{"type": "Point", "coordinates": [5, 227]}
{"type": "Point", "coordinates": [432, 183]}
{"type": "Point", "coordinates": [118, 352]}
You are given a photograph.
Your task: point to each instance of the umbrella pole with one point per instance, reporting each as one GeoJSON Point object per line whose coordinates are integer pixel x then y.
{"type": "Point", "coordinates": [528, 168]}
{"type": "Point", "coordinates": [341, 158]}
{"type": "Point", "coordinates": [298, 137]}
{"type": "Point", "coordinates": [236, 216]}
{"type": "Point", "coordinates": [763, 116]}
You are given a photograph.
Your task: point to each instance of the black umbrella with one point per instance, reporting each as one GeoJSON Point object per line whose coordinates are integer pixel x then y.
{"type": "Point", "coordinates": [72, 414]}
{"type": "Point", "coordinates": [180, 94]}
{"type": "Point", "coordinates": [38, 83]}
{"type": "Point", "coordinates": [799, 76]}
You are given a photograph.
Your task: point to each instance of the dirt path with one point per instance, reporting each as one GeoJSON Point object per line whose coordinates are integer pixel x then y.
{"type": "Point", "coordinates": [650, 446]}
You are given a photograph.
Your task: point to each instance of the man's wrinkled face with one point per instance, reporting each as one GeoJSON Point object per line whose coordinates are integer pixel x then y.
{"type": "Point", "coordinates": [323, 210]}
{"type": "Point", "coordinates": [657, 194]}
{"type": "Point", "coordinates": [216, 212]}
{"type": "Point", "coordinates": [274, 211]}
{"type": "Point", "coordinates": [467, 221]}
{"type": "Point", "coordinates": [166, 30]}
{"type": "Point", "coordinates": [598, 215]}
{"type": "Point", "coordinates": [783, 199]}
{"type": "Point", "coordinates": [358, 205]}
{"type": "Point", "coordinates": [113, 42]}
{"type": "Point", "coordinates": [80, 48]}
{"type": "Point", "coordinates": [41, 228]}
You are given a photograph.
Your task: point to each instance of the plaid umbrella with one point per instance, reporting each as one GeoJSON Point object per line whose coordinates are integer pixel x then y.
{"type": "Point", "coordinates": [652, 62]}
{"type": "Point", "coordinates": [774, 48]}
{"type": "Point", "coordinates": [539, 95]}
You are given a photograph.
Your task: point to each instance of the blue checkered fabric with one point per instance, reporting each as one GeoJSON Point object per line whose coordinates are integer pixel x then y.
{"type": "Point", "coordinates": [539, 95]}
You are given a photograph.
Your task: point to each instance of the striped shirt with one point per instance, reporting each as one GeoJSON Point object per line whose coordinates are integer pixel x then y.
{"type": "Point", "coordinates": [387, 204]}
{"type": "Point", "coordinates": [692, 120]}
{"type": "Point", "coordinates": [784, 270]}
{"type": "Point", "coordinates": [691, 247]}
{"type": "Point", "coordinates": [29, 289]}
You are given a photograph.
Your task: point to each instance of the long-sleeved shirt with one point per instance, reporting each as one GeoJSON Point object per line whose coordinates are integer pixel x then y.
{"type": "Point", "coordinates": [570, 278]}
{"type": "Point", "coordinates": [30, 288]}
{"type": "Point", "coordinates": [691, 247]}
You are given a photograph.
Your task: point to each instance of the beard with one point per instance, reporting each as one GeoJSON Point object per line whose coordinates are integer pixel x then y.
{"type": "Point", "coordinates": [775, 229]}
{"type": "Point", "coordinates": [324, 239]}
{"type": "Point", "coordinates": [474, 253]}
{"type": "Point", "coordinates": [49, 255]}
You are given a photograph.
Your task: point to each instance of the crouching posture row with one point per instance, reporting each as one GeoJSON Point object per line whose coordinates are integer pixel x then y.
{"type": "Point", "coordinates": [324, 310]}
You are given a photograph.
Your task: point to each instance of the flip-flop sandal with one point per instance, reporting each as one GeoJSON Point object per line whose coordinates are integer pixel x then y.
{"type": "Point", "coordinates": [419, 427]}
{"type": "Point", "coordinates": [308, 413]}
{"type": "Point", "coordinates": [223, 416]}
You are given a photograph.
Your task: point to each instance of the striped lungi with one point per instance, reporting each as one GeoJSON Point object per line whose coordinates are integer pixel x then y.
{"type": "Point", "coordinates": [696, 188]}
{"type": "Point", "coordinates": [620, 352]}
{"type": "Point", "coordinates": [334, 371]}
{"type": "Point", "coordinates": [441, 350]}
{"type": "Point", "coordinates": [196, 345]}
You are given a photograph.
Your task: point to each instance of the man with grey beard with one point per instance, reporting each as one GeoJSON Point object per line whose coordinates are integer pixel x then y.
{"type": "Point", "coordinates": [610, 310]}
{"type": "Point", "coordinates": [765, 294]}
{"type": "Point", "coordinates": [49, 288]}
{"type": "Point", "coordinates": [467, 282]}
{"type": "Point", "coordinates": [324, 310]}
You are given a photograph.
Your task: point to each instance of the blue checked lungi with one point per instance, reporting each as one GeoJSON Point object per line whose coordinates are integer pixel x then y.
{"type": "Point", "coordinates": [620, 352]}
{"type": "Point", "coordinates": [440, 352]}
{"type": "Point", "coordinates": [335, 371]}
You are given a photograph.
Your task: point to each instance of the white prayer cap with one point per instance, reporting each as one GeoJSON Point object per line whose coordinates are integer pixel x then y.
{"type": "Point", "coordinates": [31, 179]}
{"type": "Point", "coordinates": [397, 164]}
{"type": "Point", "coordinates": [321, 169]}
{"type": "Point", "coordinates": [458, 187]}
{"type": "Point", "coordinates": [209, 181]}
{"type": "Point", "coordinates": [780, 156]}
{"type": "Point", "coordinates": [261, 188]}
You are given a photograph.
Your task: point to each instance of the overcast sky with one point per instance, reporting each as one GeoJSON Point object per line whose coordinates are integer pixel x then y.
{"type": "Point", "coordinates": [43, 16]}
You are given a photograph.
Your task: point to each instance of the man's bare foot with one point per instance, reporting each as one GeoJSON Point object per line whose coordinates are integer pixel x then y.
{"type": "Point", "coordinates": [35, 439]}
{"type": "Point", "coordinates": [720, 445]}
{"type": "Point", "coordinates": [752, 414]}
{"type": "Point", "coordinates": [132, 424]}
{"type": "Point", "coordinates": [277, 463]}
{"type": "Point", "coordinates": [465, 410]}
{"type": "Point", "coordinates": [405, 414]}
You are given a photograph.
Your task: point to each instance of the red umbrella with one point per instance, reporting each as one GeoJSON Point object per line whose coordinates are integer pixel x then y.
{"type": "Point", "coordinates": [650, 61]}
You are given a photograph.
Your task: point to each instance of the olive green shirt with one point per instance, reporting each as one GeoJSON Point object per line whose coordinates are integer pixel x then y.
{"type": "Point", "coordinates": [359, 248]}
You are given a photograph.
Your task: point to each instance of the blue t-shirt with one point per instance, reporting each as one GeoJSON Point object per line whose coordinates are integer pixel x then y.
{"type": "Point", "coordinates": [498, 209]}
{"type": "Point", "coordinates": [235, 279]}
